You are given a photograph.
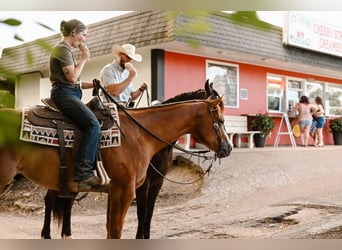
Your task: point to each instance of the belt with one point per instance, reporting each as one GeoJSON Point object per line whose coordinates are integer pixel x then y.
{"type": "Point", "coordinates": [65, 85]}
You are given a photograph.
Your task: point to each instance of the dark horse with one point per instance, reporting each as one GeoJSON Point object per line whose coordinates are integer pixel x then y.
{"type": "Point", "coordinates": [145, 195]}
{"type": "Point", "coordinates": [202, 118]}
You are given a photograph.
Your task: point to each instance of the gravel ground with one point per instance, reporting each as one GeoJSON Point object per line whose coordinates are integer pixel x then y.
{"type": "Point", "coordinates": [261, 193]}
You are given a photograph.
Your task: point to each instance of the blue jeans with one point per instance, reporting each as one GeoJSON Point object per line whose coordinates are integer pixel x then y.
{"type": "Point", "coordinates": [68, 100]}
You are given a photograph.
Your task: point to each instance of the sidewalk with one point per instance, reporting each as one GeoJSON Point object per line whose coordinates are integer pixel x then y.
{"type": "Point", "coordinates": [289, 148]}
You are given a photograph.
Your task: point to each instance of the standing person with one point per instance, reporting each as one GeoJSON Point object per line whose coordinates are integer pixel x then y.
{"type": "Point", "coordinates": [320, 120]}
{"type": "Point", "coordinates": [117, 77]}
{"type": "Point", "coordinates": [303, 108]}
{"type": "Point", "coordinates": [66, 92]}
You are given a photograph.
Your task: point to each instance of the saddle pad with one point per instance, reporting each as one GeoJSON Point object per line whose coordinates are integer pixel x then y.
{"type": "Point", "coordinates": [49, 136]}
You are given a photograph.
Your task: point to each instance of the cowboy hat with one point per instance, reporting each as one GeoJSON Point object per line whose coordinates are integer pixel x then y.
{"type": "Point", "coordinates": [127, 49]}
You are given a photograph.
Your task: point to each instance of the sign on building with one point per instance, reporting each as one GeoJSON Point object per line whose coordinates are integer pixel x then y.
{"type": "Point", "coordinates": [305, 32]}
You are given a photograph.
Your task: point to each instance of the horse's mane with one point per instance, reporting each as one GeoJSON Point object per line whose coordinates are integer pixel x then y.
{"type": "Point", "coordinates": [162, 105]}
{"type": "Point", "coordinates": [198, 94]}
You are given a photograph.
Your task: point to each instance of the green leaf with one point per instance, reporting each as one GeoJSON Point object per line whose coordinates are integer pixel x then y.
{"type": "Point", "coordinates": [17, 37]}
{"type": "Point", "coordinates": [249, 17]}
{"type": "Point", "coordinates": [44, 45]}
{"type": "Point", "coordinates": [29, 57]}
{"type": "Point", "coordinates": [7, 73]}
{"type": "Point", "coordinates": [6, 99]}
{"type": "Point", "coordinates": [195, 43]}
{"type": "Point", "coordinates": [45, 26]}
{"type": "Point", "coordinates": [11, 22]}
{"type": "Point", "coordinates": [9, 127]}
{"type": "Point", "coordinates": [199, 27]}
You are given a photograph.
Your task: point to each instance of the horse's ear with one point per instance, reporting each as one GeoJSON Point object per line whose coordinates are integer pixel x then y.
{"type": "Point", "coordinates": [207, 87]}
{"type": "Point", "coordinates": [216, 102]}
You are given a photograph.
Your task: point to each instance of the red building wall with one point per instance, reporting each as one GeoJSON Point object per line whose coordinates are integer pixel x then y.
{"type": "Point", "coordinates": [184, 73]}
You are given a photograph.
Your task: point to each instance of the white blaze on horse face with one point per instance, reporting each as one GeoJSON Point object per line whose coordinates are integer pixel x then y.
{"type": "Point", "coordinates": [224, 137]}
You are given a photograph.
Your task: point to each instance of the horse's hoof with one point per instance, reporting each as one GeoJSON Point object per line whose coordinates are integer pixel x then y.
{"type": "Point", "coordinates": [66, 237]}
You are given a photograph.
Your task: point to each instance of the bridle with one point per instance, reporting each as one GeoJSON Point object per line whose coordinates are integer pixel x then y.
{"type": "Point", "coordinates": [217, 124]}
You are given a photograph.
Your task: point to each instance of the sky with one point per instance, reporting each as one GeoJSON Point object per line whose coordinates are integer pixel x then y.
{"type": "Point", "coordinates": [29, 30]}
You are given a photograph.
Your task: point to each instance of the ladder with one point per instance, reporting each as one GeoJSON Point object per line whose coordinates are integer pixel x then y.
{"type": "Point", "coordinates": [289, 132]}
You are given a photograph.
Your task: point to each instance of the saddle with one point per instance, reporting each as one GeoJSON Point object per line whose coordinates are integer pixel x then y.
{"type": "Point", "coordinates": [49, 115]}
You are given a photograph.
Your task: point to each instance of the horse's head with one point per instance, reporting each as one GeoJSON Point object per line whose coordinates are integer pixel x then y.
{"type": "Point", "coordinates": [214, 126]}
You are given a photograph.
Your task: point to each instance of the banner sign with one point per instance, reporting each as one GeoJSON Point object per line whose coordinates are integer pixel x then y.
{"type": "Point", "coordinates": [305, 32]}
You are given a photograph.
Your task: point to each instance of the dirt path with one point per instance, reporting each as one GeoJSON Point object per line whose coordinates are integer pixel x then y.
{"type": "Point", "coordinates": [282, 193]}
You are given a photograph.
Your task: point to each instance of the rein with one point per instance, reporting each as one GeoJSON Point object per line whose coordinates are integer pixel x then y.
{"type": "Point", "coordinates": [147, 97]}
{"type": "Point", "coordinates": [183, 183]}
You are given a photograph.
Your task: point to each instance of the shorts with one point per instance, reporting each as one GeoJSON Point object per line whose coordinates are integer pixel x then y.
{"type": "Point", "coordinates": [320, 121]}
{"type": "Point", "coordinates": [304, 123]}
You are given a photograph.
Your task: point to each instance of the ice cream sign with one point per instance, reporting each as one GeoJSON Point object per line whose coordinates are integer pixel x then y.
{"type": "Point", "coordinates": [305, 32]}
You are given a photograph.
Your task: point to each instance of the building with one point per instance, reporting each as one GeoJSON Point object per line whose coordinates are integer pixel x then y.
{"type": "Point", "coordinates": [257, 69]}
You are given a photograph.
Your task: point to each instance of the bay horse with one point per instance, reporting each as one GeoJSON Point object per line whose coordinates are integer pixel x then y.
{"type": "Point", "coordinates": [146, 194]}
{"type": "Point", "coordinates": [203, 119]}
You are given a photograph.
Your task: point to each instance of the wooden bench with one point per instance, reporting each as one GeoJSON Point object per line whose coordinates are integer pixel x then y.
{"type": "Point", "coordinates": [237, 126]}
{"type": "Point", "coordinates": [186, 144]}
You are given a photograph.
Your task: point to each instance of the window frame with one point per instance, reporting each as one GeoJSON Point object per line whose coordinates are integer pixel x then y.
{"type": "Point", "coordinates": [327, 99]}
{"type": "Point", "coordinates": [281, 96]}
{"type": "Point", "coordinates": [223, 90]}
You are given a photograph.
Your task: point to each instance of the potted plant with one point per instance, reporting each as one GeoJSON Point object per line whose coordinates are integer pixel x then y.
{"type": "Point", "coordinates": [265, 124]}
{"type": "Point", "coordinates": [336, 128]}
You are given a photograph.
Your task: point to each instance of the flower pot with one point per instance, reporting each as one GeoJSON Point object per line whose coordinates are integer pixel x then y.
{"type": "Point", "coordinates": [259, 140]}
{"type": "Point", "coordinates": [337, 137]}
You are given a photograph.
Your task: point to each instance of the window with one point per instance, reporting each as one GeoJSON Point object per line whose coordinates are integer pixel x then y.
{"type": "Point", "coordinates": [284, 101]}
{"type": "Point", "coordinates": [275, 93]}
{"type": "Point", "coordinates": [334, 100]}
{"type": "Point", "coordinates": [294, 92]}
{"type": "Point", "coordinates": [226, 81]}
{"type": "Point", "coordinates": [313, 89]}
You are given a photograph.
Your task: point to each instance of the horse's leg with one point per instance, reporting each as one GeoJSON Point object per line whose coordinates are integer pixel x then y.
{"type": "Point", "coordinates": [141, 198]}
{"type": "Point", "coordinates": [162, 161]}
{"type": "Point", "coordinates": [50, 200]}
{"type": "Point", "coordinates": [151, 200]}
{"type": "Point", "coordinates": [147, 193]}
{"type": "Point", "coordinates": [66, 227]}
{"type": "Point", "coordinates": [119, 199]}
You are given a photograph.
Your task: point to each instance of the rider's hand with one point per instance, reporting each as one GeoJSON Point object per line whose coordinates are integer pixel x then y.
{"type": "Point", "coordinates": [85, 53]}
{"type": "Point", "coordinates": [143, 87]}
{"type": "Point", "coordinates": [96, 84]}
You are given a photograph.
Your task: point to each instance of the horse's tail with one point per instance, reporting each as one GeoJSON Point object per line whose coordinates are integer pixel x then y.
{"type": "Point", "coordinates": [57, 210]}
{"type": "Point", "coordinates": [62, 209]}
